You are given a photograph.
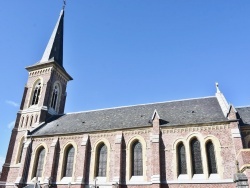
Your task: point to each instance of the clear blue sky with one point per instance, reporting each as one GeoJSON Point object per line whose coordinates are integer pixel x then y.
{"type": "Point", "coordinates": [126, 52]}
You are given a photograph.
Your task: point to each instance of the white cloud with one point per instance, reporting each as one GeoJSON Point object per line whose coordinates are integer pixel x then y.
{"type": "Point", "coordinates": [2, 160]}
{"type": "Point", "coordinates": [12, 103]}
{"type": "Point", "coordinates": [11, 124]}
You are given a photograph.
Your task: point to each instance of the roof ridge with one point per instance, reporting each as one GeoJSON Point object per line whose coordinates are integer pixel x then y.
{"type": "Point", "coordinates": [119, 107]}
{"type": "Point", "coordinates": [247, 106]}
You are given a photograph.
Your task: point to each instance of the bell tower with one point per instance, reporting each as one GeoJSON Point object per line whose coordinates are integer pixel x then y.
{"type": "Point", "coordinates": [45, 91]}
{"type": "Point", "coordinates": [44, 96]}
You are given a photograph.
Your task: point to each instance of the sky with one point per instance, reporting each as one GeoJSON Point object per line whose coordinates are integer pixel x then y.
{"type": "Point", "coordinates": [127, 52]}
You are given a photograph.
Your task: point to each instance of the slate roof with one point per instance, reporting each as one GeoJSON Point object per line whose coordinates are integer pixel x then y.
{"type": "Point", "coordinates": [244, 115]}
{"type": "Point", "coordinates": [192, 111]}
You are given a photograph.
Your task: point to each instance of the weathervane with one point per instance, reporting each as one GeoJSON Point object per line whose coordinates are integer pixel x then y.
{"type": "Point", "coordinates": [64, 4]}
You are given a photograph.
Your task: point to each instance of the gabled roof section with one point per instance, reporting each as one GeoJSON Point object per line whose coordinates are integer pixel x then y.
{"type": "Point", "coordinates": [184, 112]}
{"type": "Point", "coordinates": [244, 115]}
{"type": "Point", "coordinates": [54, 49]}
{"type": "Point", "coordinates": [155, 115]}
{"type": "Point", "coordinates": [222, 101]}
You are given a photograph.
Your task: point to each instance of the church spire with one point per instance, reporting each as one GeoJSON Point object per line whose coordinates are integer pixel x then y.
{"type": "Point", "coordinates": [54, 49]}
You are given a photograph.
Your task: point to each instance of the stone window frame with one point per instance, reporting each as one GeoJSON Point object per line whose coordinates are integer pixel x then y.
{"type": "Point", "coordinates": [94, 159]}
{"type": "Point", "coordinates": [34, 159]}
{"type": "Point", "coordinates": [203, 141]}
{"type": "Point", "coordinates": [62, 162]}
{"type": "Point", "coordinates": [129, 177]}
{"type": "Point", "coordinates": [40, 79]}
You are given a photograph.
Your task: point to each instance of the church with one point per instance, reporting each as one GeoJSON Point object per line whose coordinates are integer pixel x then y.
{"type": "Point", "coordinates": [193, 143]}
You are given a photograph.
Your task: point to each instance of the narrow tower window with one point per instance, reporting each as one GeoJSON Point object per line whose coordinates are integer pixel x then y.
{"type": "Point", "coordinates": [54, 97]}
{"type": "Point", "coordinates": [137, 167]}
{"type": "Point", "coordinates": [27, 120]}
{"type": "Point", "coordinates": [39, 163]}
{"type": "Point", "coordinates": [182, 165]}
{"type": "Point", "coordinates": [36, 119]}
{"type": "Point", "coordinates": [21, 125]}
{"type": "Point", "coordinates": [36, 94]}
{"type": "Point", "coordinates": [196, 157]}
{"type": "Point", "coordinates": [212, 167]}
{"type": "Point", "coordinates": [101, 161]}
{"type": "Point", "coordinates": [69, 161]}
{"type": "Point", "coordinates": [31, 121]}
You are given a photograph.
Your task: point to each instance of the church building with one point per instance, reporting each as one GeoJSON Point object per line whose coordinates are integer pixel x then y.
{"type": "Point", "coordinates": [192, 143]}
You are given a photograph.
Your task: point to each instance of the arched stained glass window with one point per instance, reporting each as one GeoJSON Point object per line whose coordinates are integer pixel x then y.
{"type": "Point", "coordinates": [182, 164]}
{"type": "Point", "coordinates": [36, 93]}
{"type": "Point", "coordinates": [54, 97]}
{"type": "Point", "coordinates": [39, 163]}
{"type": "Point", "coordinates": [137, 166]}
{"type": "Point", "coordinates": [196, 157]}
{"type": "Point", "coordinates": [212, 167]}
{"type": "Point", "coordinates": [69, 162]}
{"type": "Point", "coordinates": [101, 161]}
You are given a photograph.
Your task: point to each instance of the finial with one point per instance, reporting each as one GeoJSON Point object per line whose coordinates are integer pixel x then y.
{"type": "Point", "coordinates": [217, 87]}
{"type": "Point", "coordinates": [64, 4]}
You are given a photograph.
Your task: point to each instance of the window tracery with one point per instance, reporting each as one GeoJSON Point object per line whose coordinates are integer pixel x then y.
{"type": "Point", "coordinates": [54, 97]}
{"type": "Point", "coordinates": [36, 93]}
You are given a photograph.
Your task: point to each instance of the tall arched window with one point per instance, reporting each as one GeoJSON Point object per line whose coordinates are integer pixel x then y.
{"type": "Point", "coordinates": [137, 166]}
{"type": "Point", "coordinates": [101, 166]}
{"type": "Point", "coordinates": [54, 97]}
{"type": "Point", "coordinates": [212, 167]}
{"type": "Point", "coordinates": [182, 164]}
{"type": "Point", "coordinates": [196, 157]}
{"type": "Point", "coordinates": [36, 93]}
{"type": "Point", "coordinates": [39, 163]}
{"type": "Point", "coordinates": [69, 161]}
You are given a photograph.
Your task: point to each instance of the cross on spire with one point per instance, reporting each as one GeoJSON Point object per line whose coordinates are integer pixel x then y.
{"type": "Point", "coordinates": [64, 4]}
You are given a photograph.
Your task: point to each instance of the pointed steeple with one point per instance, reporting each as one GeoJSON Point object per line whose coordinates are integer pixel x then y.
{"type": "Point", "coordinates": [222, 101]}
{"type": "Point", "coordinates": [54, 49]}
